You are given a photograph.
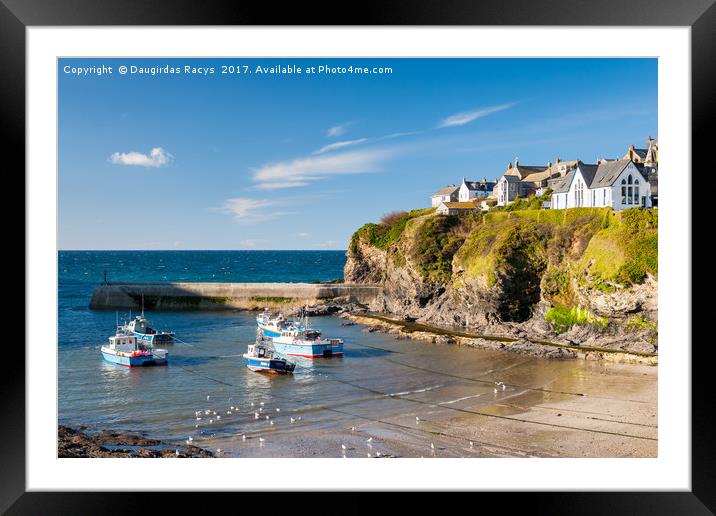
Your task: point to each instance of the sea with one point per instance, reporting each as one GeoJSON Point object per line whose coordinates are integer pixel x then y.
{"type": "Point", "coordinates": [376, 390]}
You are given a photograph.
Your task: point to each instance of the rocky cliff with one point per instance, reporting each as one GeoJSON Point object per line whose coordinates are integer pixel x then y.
{"type": "Point", "coordinates": [580, 276]}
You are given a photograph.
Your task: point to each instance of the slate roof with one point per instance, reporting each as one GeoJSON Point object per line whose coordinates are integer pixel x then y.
{"type": "Point", "coordinates": [482, 186]}
{"type": "Point", "coordinates": [448, 190]}
{"type": "Point", "coordinates": [608, 172]}
{"type": "Point", "coordinates": [561, 184]}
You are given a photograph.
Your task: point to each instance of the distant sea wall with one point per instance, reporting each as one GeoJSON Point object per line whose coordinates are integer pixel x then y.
{"type": "Point", "coordinates": [217, 296]}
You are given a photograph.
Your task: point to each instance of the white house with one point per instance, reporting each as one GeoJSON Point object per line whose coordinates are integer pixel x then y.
{"type": "Point", "coordinates": [447, 194]}
{"type": "Point", "coordinates": [470, 190]}
{"type": "Point", "coordinates": [526, 180]}
{"type": "Point", "coordinates": [618, 184]}
{"type": "Point", "coordinates": [457, 208]}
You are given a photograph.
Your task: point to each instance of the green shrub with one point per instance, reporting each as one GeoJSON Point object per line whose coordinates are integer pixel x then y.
{"type": "Point", "coordinates": [562, 318]}
{"type": "Point", "coordinates": [436, 241]}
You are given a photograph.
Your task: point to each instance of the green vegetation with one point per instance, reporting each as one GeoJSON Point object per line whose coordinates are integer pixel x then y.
{"type": "Point", "coordinates": [637, 323]}
{"type": "Point", "coordinates": [435, 243]}
{"type": "Point", "coordinates": [273, 299]}
{"type": "Point", "coordinates": [624, 252]}
{"type": "Point", "coordinates": [388, 231]}
{"type": "Point", "coordinates": [562, 318]}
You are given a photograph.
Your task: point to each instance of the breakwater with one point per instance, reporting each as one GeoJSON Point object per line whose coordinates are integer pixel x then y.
{"type": "Point", "coordinates": [216, 296]}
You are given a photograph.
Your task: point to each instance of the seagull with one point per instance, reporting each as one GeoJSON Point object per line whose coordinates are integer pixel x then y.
{"type": "Point", "coordinates": [369, 455]}
{"type": "Point", "coordinates": [191, 438]}
{"type": "Point", "coordinates": [211, 421]}
{"type": "Point", "coordinates": [267, 417]}
{"type": "Point", "coordinates": [494, 390]}
{"type": "Point", "coordinates": [271, 422]}
{"type": "Point", "coordinates": [218, 417]}
{"type": "Point", "coordinates": [231, 408]}
{"type": "Point", "coordinates": [218, 450]}
{"type": "Point", "coordinates": [177, 452]}
{"type": "Point", "coordinates": [196, 426]}
{"type": "Point", "coordinates": [261, 439]}
{"type": "Point", "coordinates": [198, 419]}
{"type": "Point", "coordinates": [299, 418]}
{"type": "Point", "coordinates": [278, 410]}
{"type": "Point", "coordinates": [353, 429]}
{"type": "Point", "coordinates": [377, 454]}
{"type": "Point", "coordinates": [256, 415]}
{"type": "Point", "coordinates": [262, 403]}
{"type": "Point", "coordinates": [370, 439]}
{"type": "Point", "coordinates": [243, 437]}
{"type": "Point", "coordinates": [417, 419]}
{"type": "Point", "coordinates": [432, 446]}
{"type": "Point", "coordinates": [207, 397]}
{"type": "Point", "coordinates": [470, 444]}
{"type": "Point", "coordinates": [504, 386]}
{"type": "Point", "coordinates": [228, 412]}
{"type": "Point", "coordinates": [292, 420]}
{"type": "Point", "coordinates": [252, 403]}
{"type": "Point", "coordinates": [207, 412]}
{"type": "Point", "coordinates": [343, 447]}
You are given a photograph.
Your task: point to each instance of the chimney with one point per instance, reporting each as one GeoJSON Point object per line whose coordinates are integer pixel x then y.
{"type": "Point", "coordinates": [558, 160]}
{"type": "Point", "coordinates": [549, 164]}
{"type": "Point", "coordinates": [509, 165]}
{"type": "Point", "coordinates": [516, 162]}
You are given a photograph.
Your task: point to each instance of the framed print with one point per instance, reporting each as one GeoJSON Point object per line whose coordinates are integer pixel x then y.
{"type": "Point", "coordinates": [419, 253]}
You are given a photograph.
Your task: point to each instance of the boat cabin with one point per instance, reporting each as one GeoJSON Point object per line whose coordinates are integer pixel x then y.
{"type": "Point", "coordinates": [121, 340]}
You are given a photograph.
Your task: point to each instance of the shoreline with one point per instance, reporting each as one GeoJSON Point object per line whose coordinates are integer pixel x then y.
{"type": "Point", "coordinates": [539, 348]}
{"type": "Point", "coordinates": [75, 441]}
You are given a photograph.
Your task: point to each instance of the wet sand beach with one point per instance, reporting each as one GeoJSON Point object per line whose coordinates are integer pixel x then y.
{"type": "Point", "coordinates": [507, 404]}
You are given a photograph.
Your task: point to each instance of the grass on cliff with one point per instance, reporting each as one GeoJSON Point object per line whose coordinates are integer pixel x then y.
{"type": "Point", "coordinates": [562, 318]}
{"type": "Point", "coordinates": [387, 231]}
{"type": "Point", "coordinates": [624, 252]}
{"type": "Point", "coordinates": [436, 241]}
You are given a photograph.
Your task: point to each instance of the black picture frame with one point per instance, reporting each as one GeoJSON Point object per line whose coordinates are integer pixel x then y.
{"type": "Point", "coordinates": [700, 15]}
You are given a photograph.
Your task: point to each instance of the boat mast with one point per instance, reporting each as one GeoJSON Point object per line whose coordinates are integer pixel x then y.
{"type": "Point", "coordinates": [142, 305]}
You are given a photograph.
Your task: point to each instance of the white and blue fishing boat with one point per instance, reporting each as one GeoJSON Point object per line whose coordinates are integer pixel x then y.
{"type": "Point", "coordinates": [126, 350]}
{"type": "Point", "coordinates": [296, 338]}
{"type": "Point", "coordinates": [140, 328]}
{"type": "Point", "coordinates": [259, 357]}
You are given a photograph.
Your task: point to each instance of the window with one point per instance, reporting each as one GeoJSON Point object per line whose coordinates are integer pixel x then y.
{"type": "Point", "coordinates": [636, 192]}
{"type": "Point", "coordinates": [624, 191]}
{"type": "Point", "coordinates": [629, 190]}
{"type": "Point", "coordinates": [604, 197]}
{"type": "Point", "coordinates": [579, 193]}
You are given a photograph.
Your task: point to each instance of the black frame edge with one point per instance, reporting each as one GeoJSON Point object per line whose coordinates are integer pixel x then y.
{"type": "Point", "coordinates": [699, 14]}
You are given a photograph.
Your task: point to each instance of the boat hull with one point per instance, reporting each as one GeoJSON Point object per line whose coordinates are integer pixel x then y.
{"type": "Point", "coordinates": [134, 361]}
{"type": "Point", "coordinates": [269, 365]}
{"type": "Point", "coordinates": [313, 350]}
{"type": "Point", "coordinates": [268, 331]}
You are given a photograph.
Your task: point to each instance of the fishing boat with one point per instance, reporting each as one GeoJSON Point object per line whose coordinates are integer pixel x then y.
{"type": "Point", "coordinates": [259, 357]}
{"type": "Point", "coordinates": [124, 349]}
{"type": "Point", "coordinates": [140, 328]}
{"type": "Point", "coordinates": [296, 338]}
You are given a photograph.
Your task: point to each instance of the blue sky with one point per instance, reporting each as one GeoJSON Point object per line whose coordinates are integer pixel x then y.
{"type": "Point", "coordinates": [267, 161]}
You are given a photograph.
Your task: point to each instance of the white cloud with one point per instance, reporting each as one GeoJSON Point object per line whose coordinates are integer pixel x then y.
{"type": "Point", "coordinates": [469, 116]}
{"type": "Point", "coordinates": [340, 145]}
{"type": "Point", "coordinates": [302, 171]}
{"type": "Point", "coordinates": [251, 211]}
{"type": "Point", "coordinates": [302, 234]}
{"type": "Point", "coordinates": [338, 130]}
{"type": "Point", "coordinates": [157, 157]}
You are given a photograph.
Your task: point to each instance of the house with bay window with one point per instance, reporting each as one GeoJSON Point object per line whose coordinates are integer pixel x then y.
{"type": "Point", "coordinates": [618, 184]}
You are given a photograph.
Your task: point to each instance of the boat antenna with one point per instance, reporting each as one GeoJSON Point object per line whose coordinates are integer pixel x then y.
{"type": "Point", "coordinates": [142, 305]}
